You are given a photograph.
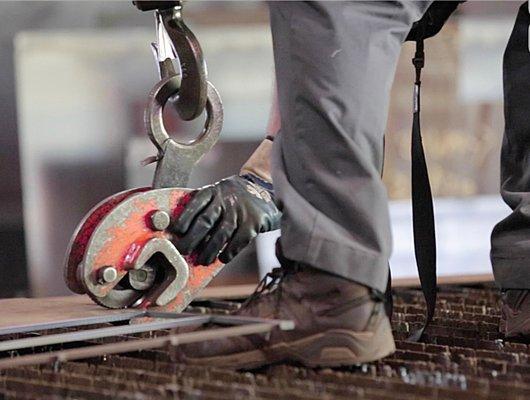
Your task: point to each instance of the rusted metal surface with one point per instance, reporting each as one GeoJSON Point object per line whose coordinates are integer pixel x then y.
{"type": "Point", "coordinates": [464, 356]}
{"type": "Point", "coordinates": [123, 237]}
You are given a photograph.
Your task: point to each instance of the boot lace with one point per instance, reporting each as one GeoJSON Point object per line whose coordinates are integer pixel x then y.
{"type": "Point", "coordinates": [271, 282]}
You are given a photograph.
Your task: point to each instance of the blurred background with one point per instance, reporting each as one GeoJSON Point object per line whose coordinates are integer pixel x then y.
{"type": "Point", "coordinates": [74, 77]}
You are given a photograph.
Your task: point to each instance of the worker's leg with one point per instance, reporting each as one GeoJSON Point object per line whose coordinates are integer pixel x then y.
{"type": "Point", "coordinates": [511, 237]}
{"type": "Point", "coordinates": [335, 63]}
{"type": "Point", "coordinates": [510, 241]}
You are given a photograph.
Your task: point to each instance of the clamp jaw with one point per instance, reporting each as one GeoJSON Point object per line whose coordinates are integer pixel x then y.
{"type": "Point", "coordinates": [123, 253]}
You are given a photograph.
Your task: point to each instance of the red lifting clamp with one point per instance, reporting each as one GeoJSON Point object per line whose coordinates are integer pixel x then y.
{"type": "Point", "coordinates": [123, 254]}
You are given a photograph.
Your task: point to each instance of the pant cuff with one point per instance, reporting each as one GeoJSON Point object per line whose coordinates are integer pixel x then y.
{"type": "Point", "coordinates": [341, 260]}
{"type": "Point", "coordinates": [511, 273]}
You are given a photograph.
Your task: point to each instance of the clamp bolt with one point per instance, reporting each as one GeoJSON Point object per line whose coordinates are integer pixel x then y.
{"type": "Point", "coordinates": [107, 274]}
{"type": "Point", "coordinates": [160, 220]}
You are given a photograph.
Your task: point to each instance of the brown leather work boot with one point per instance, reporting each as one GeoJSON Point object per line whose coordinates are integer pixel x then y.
{"type": "Point", "coordinates": [516, 314]}
{"type": "Point", "coordinates": [337, 322]}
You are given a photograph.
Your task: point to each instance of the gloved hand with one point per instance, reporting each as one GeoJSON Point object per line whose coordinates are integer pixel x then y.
{"type": "Point", "coordinates": [225, 217]}
{"type": "Point", "coordinates": [433, 20]}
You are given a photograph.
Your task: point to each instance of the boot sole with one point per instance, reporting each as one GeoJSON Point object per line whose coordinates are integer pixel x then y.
{"type": "Point", "coordinates": [333, 348]}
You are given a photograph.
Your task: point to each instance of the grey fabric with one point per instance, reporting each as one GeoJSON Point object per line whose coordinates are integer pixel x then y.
{"type": "Point", "coordinates": [510, 240]}
{"type": "Point", "coordinates": [335, 63]}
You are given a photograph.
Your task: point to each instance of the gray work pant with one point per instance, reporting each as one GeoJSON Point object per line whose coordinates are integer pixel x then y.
{"type": "Point", "coordinates": [510, 240]}
{"type": "Point", "coordinates": [335, 63]}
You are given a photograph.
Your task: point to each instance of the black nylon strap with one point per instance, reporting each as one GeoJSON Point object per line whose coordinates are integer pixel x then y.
{"type": "Point", "coordinates": [389, 301]}
{"type": "Point", "coordinates": [422, 205]}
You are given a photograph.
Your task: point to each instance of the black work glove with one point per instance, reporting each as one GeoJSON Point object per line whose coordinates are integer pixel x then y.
{"type": "Point", "coordinates": [224, 217]}
{"type": "Point", "coordinates": [433, 20]}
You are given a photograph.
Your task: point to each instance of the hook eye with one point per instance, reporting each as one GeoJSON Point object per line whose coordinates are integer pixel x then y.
{"type": "Point", "coordinates": [168, 88]}
{"type": "Point", "coordinates": [178, 159]}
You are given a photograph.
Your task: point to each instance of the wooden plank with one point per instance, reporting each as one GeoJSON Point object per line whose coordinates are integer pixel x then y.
{"type": "Point", "coordinates": [24, 311]}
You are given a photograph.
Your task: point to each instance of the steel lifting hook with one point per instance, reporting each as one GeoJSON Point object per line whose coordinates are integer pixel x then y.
{"type": "Point", "coordinates": [177, 41]}
{"type": "Point", "coordinates": [175, 160]}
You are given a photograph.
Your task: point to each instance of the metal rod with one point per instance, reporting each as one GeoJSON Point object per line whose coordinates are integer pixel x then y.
{"type": "Point", "coordinates": [103, 332]}
{"type": "Point", "coordinates": [136, 345]}
{"type": "Point", "coordinates": [284, 325]}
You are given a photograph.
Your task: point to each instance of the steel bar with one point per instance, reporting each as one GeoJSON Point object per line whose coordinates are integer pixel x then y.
{"type": "Point", "coordinates": [284, 325]}
{"type": "Point", "coordinates": [135, 345]}
{"type": "Point", "coordinates": [177, 320]}
{"type": "Point", "coordinates": [101, 333]}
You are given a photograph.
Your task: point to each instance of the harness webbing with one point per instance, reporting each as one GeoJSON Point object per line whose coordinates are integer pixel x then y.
{"type": "Point", "coordinates": [422, 205]}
